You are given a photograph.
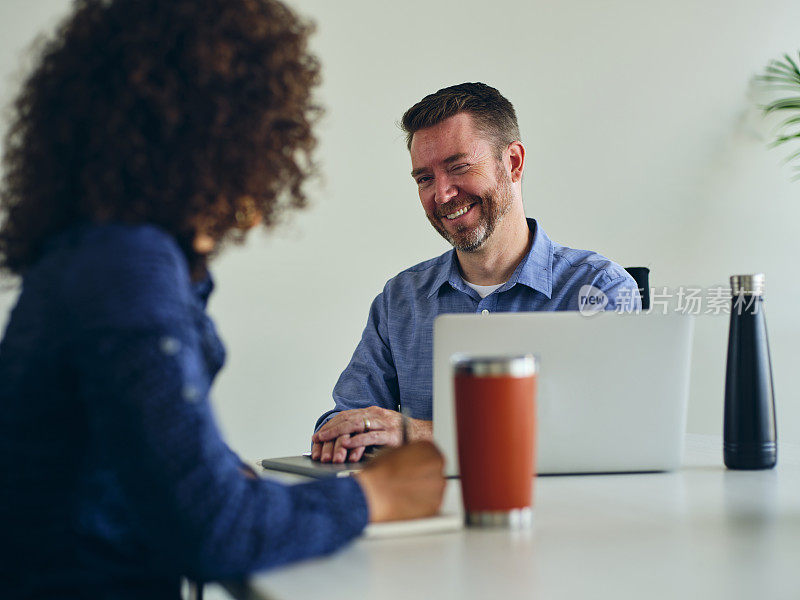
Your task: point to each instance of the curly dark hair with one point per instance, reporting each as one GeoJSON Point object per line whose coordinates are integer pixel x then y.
{"type": "Point", "coordinates": [162, 112]}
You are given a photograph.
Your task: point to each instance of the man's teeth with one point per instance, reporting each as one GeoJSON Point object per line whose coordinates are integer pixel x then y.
{"type": "Point", "coordinates": [458, 213]}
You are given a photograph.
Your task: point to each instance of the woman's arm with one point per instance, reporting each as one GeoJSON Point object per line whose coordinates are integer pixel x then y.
{"type": "Point", "coordinates": [143, 381]}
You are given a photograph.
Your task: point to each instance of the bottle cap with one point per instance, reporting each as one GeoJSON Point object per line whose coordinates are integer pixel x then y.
{"type": "Point", "coordinates": [495, 366]}
{"type": "Point", "coordinates": [749, 285]}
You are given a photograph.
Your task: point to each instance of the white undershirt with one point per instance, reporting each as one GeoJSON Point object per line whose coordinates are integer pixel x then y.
{"type": "Point", "coordinates": [483, 290]}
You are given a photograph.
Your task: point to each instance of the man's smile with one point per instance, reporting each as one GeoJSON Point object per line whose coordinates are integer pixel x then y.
{"type": "Point", "coordinates": [460, 212]}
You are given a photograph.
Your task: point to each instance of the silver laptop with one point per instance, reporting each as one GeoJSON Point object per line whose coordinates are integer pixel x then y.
{"type": "Point", "coordinates": [612, 388]}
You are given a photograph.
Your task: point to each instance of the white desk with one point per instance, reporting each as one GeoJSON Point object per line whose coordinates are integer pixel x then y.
{"type": "Point", "coordinates": [702, 532]}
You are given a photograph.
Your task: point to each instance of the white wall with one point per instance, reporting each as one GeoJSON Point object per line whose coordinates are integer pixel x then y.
{"type": "Point", "coordinates": [642, 141]}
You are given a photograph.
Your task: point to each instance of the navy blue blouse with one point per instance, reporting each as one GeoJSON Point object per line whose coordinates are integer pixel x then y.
{"type": "Point", "coordinates": [114, 479]}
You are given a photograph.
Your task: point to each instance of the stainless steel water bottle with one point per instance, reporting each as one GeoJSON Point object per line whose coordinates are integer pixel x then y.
{"type": "Point", "coordinates": [750, 440]}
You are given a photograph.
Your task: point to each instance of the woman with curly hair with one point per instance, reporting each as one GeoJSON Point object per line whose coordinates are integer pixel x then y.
{"type": "Point", "coordinates": [149, 134]}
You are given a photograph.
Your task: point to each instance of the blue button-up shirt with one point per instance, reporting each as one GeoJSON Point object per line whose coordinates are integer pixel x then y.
{"type": "Point", "coordinates": [393, 362]}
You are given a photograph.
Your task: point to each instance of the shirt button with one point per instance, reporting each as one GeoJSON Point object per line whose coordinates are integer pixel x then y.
{"type": "Point", "coordinates": [190, 393]}
{"type": "Point", "coordinates": [169, 345]}
{"type": "Point", "coordinates": [484, 312]}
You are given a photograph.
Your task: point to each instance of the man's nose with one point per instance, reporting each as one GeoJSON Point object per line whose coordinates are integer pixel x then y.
{"type": "Point", "coordinates": [445, 190]}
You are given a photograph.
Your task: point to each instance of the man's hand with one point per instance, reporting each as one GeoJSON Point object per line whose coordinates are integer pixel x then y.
{"type": "Point", "coordinates": [347, 434]}
{"type": "Point", "coordinates": [405, 483]}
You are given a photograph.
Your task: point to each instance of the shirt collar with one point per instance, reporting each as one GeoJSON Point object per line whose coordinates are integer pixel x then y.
{"type": "Point", "coordinates": [202, 289]}
{"type": "Point", "coordinates": [448, 273]}
{"type": "Point", "coordinates": [534, 271]}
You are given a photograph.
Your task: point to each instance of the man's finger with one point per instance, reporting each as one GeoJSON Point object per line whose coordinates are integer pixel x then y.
{"type": "Point", "coordinates": [356, 454]}
{"type": "Point", "coordinates": [348, 426]}
{"type": "Point", "coordinates": [315, 437]}
{"type": "Point", "coordinates": [339, 453]}
{"type": "Point", "coordinates": [316, 450]}
{"type": "Point", "coordinates": [327, 452]}
{"type": "Point", "coordinates": [339, 425]}
{"type": "Point", "coordinates": [380, 437]}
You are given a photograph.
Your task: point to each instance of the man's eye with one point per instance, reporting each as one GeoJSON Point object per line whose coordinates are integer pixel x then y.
{"type": "Point", "coordinates": [423, 180]}
{"type": "Point", "coordinates": [460, 168]}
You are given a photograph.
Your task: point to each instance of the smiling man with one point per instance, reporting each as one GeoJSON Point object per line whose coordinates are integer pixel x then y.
{"type": "Point", "coordinates": [467, 161]}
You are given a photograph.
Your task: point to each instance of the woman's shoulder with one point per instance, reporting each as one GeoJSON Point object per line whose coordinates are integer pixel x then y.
{"type": "Point", "coordinates": [90, 250]}
{"type": "Point", "coordinates": [111, 241]}
{"type": "Point", "coordinates": [133, 269]}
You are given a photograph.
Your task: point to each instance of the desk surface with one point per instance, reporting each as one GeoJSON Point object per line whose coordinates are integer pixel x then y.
{"type": "Point", "coordinates": [701, 532]}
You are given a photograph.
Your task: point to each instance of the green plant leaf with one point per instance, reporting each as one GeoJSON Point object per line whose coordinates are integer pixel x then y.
{"type": "Point", "coordinates": [790, 158]}
{"type": "Point", "coordinates": [784, 76]}
{"type": "Point", "coordinates": [791, 62]}
{"type": "Point", "coordinates": [780, 70]}
{"type": "Point", "coordinates": [789, 121]}
{"type": "Point", "coordinates": [783, 104]}
{"type": "Point", "coordinates": [790, 80]}
{"type": "Point", "coordinates": [785, 137]}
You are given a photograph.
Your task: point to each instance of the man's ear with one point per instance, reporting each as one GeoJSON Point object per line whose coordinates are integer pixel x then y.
{"type": "Point", "coordinates": [516, 157]}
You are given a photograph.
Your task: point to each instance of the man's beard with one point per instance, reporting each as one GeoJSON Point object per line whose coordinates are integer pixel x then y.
{"type": "Point", "coordinates": [494, 205]}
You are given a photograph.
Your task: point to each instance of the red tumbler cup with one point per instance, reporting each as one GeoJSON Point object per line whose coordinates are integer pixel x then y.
{"type": "Point", "coordinates": [495, 401]}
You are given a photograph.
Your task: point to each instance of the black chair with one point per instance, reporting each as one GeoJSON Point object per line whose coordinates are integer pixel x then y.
{"type": "Point", "coordinates": [641, 275]}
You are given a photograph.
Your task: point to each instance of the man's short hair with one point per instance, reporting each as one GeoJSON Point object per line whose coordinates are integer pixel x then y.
{"type": "Point", "coordinates": [493, 114]}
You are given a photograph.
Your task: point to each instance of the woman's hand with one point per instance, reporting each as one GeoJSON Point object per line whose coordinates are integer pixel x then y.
{"type": "Point", "coordinates": [404, 483]}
